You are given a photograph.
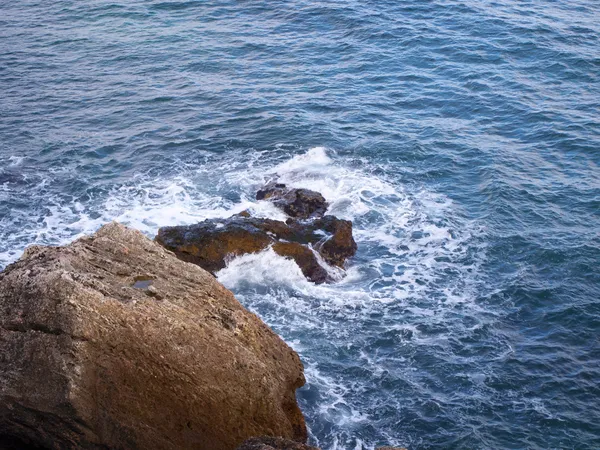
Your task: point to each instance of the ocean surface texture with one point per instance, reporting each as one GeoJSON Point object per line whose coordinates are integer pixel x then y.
{"type": "Point", "coordinates": [461, 137]}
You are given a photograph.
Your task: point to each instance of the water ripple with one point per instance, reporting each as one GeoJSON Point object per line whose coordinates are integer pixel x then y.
{"type": "Point", "coordinates": [461, 137]}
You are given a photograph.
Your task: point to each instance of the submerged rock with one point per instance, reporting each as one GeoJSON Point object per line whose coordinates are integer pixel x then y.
{"type": "Point", "coordinates": [273, 443]}
{"type": "Point", "coordinates": [111, 342]}
{"type": "Point", "coordinates": [210, 244]}
{"type": "Point", "coordinates": [296, 203]}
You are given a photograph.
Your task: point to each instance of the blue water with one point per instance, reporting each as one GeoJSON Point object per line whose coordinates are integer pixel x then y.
{"type": "Point", "coordinates": [462, 138]}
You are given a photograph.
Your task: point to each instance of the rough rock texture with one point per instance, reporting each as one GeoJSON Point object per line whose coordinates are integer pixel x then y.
{"type": "Point", "coordinates": [273, 443]}
{"type": "Point", "coordinates": [113, 343]}
{"type": "Point", "coordinates": [340, 245]}
{"type": "Point", "coordinates": [296, 203]}
{"type": "Point", "coordinates": [211, 243]}
{"type": "Point", "coordinates": [305, 258]}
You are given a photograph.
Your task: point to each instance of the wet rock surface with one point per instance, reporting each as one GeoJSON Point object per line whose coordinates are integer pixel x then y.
{"type": "Point", "coordinates": [210, 244]}
{"type": "Point", "coordinates": [306, 260]}
{"type": "Point", "coordinates": [306, 237]}
{"type": "Point", "coordinates": [296, 203]}
{"type": "Point", "coordinates": [111, 343]}
{"type": "Point", "coordinates": [340, 245]}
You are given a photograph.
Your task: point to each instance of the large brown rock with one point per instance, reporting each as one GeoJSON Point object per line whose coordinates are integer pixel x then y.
{"type": "Point", "coordinates": [296, 203]}
{"type": "Point", "coordinates": [210, 244]}
{"type": "Point", "coordinates": [113, 343]}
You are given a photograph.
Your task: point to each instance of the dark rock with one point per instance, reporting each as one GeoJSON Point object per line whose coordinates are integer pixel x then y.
{"type": "Point", "coordinates": [340, 245]}
{"type": "Point", "coordinates": [210, 244]}
{"type": "Point", "coordinates": [273, 443]}
{"type": "Point", "coordinates": [270, 190]}
{"type": "Point", "coordinates": [306, 260]}
{"type": "Point", "coordinates": [296, 203]}
{"type": "Point", "coordinates": [15, 443]}
{"type": "Point", "coordinates": [90, 361]}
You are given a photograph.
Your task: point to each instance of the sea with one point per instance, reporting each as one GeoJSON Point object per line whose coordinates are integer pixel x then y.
{"type": "Point", "coordinates": [462, 138]}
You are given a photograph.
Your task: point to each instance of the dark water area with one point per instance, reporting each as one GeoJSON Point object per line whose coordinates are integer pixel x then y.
{"type": "Point", "coordinates": [462, 138]}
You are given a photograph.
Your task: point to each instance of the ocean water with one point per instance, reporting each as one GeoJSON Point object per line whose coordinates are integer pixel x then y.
{"type": "Point", "coordinates": [462, 138]}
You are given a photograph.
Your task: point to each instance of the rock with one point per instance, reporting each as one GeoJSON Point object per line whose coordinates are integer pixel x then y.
{"type": "Point", "coordinates": [306, 260]}
{"type": "Point", "coordinates": [273, 443]}
{"type": "Point", "coordinates": [390, 448]}
{"type": "Point", "coordinates": [296, 203]}
{"type": "Point", "coordinates": [270, 190]}
{"type": "Point", "coordinates": [210, 244]}
{"type": "Point", "coordinates": [340, 245]}
{"type": "Point", "coordinates": [88, 361]}
{"type": "Point", "coordinates": [12, 443]}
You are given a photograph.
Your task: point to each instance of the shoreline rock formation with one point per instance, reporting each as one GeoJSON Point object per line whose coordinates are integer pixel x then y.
{"type": "Point", "coordinates": [113, 343]}
{"type": "Point", "coordinates": [211, 243]}
{"type": "Point", "coordinates": [307, 237]}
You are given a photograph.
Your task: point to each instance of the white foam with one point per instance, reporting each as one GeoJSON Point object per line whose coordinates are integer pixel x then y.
{"type": "Point", "coordinates": [144, 204]}
{"type": "Point", "coordinates": [408, 243]}
{"type": "Point", "coordinates": [16, 160]}
{"type": "Point", "coordinates": [349, 192]}
{"type": "Point", "coordinates": [267, 268]}
{"type": "Point", "coordinates": [264, 268]}
{"type": "Point", "coordinates": [335, 407]}
{"type": "Point", "coordinates": [313, 160]}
